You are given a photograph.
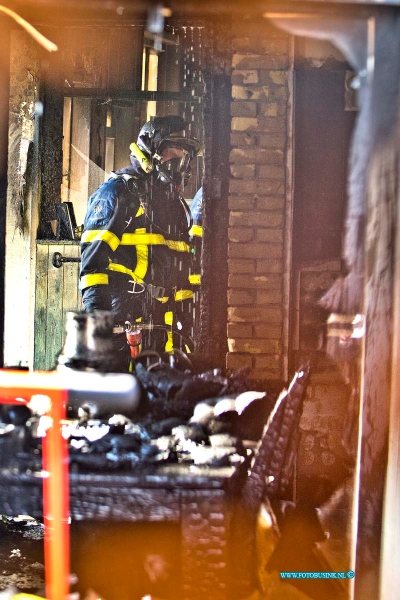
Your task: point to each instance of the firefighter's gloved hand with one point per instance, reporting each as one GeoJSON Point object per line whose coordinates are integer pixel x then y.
{"type": "Point", "coordinates": [120, 353]}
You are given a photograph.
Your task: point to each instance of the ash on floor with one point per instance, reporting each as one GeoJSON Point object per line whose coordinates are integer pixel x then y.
{"type": "Point", "coordinates": [21, 554]}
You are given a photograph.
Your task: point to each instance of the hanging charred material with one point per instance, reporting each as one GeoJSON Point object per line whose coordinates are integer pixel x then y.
{"type": "Point", "coordinates": [50, 145]}
{"type": "Point", "coordinates": [214, 263]}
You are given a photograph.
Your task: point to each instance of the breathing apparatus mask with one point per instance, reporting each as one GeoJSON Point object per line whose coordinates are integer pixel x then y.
{"type": "Point", "coordinates": [151, 150]}
{"type": "Point", "coordinates": [175, 170]}
{"type": "Point", "coordinates": [177, 153]}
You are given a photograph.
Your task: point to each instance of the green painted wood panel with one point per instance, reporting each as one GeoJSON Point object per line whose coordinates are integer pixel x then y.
{"type": "Point", "coordinates": [70, 293]}
{"type": "Point", "coordinates": [40, 333]}
{"type": "Point", "coordinates": [56, 293]}
{"type": "Point", "coordinates": [54, 313]}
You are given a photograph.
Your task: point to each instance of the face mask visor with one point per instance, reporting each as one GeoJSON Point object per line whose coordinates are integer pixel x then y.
{"type": "Point", "coordinates": [189, 144]}
{"type": "Point", "coordinates": [175, 170]}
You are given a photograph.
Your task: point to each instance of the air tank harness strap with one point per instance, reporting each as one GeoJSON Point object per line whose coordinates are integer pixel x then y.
{"type": "Point", "coordinates": [155, 291]}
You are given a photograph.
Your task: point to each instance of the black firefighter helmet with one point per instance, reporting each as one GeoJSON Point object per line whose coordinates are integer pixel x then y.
{"type": "Point", "coordinates": [160, 133]}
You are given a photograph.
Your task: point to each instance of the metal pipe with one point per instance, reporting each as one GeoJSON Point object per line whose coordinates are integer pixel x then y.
{"type": "Point", "coordinates": [17, 387]}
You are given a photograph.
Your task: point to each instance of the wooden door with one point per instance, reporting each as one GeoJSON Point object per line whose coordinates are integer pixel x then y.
{"type": "Point", "coordinates": [57, 293]}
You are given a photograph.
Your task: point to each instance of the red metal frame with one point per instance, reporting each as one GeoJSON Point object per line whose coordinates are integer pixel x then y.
{"type": "Point", "coordinates": [17, 387]}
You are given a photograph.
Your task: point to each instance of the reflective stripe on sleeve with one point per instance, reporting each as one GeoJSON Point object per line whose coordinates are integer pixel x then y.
{"type": "Point", "coordinates": [101, 235]}
{"type": "Point", "coordinates": [196, 231]}
{"type": "Point", "coordinates": [178, 246]}
{"type": "Point", "coordinates": [93, 279]}
{"type": "Point", "coordinates": [195, 279]}
{"type": "Point", "coordinates": [183, 295]}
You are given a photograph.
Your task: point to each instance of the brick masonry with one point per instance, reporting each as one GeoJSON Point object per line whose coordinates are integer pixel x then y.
{"type": "Point", "coordinates": [256, 240]}
{"type": "Point", "coordinates": [260, 71]}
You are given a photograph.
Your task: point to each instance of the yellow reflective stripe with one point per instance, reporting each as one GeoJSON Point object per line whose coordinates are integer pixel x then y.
{"type": "Point", "coordinates": [121, 269]}
{"type": "Point", "coordinates": [142, 255]}
{"type": "Point", "coordinates": [168, 320]}
{"type": "Point", "coordinates": [140, 211]}
{"type": "Point", "coordinates": [196, 230]}
{"type": "Point", "coordinates": [152, 239]}
{"type": "Point", "coordinates": [183, 295]}
{"type": "Point", "coordinates": [169, 317]}
{"type": "Point", "coordinates": [101, 235]}
{"type": "Point", "coordinates": [142, 261]}
{"type": "Point", "coordinates": [169, 344]}
{"type": "Point", "coordinates": [163, 300]}
{"type": "Point", "coordinates": [195, 279]}
{"type": "Point", "coordinates": [93, 279]}
{"type": "Point", "coordinates": [178, 246]}
{"type": "Point", "coordinates": [134, 239]}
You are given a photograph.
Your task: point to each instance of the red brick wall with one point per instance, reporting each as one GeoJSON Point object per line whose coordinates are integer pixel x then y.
{"type": "Point", "coordinates": [257, 199]}
{"type": "Point", "coordinates": [259, 235]}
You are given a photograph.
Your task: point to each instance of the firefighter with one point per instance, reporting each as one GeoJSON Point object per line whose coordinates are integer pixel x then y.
{"type": "Point", "coordinates": [196, 234]}
{"type": "Point", "coordinates": [196, 240]}
{"type": "Point", "coordinates": [136, 256]}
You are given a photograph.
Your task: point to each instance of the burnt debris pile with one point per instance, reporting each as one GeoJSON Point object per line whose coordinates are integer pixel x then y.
{"type": "Point", "coordinates": [183, 417]}
{"type": "Point", "coordinates": [20, 441]}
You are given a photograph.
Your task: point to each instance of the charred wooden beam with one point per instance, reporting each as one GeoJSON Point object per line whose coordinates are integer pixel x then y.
{"type": "Point", "coordinates": [211, 340]}
{"type": "Point", "coordinates": [133, 95]}
{"type": "Point", "coordinates": [53, 11]}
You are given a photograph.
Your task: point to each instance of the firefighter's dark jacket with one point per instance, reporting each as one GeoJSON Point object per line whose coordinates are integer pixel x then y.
{"type": "Point", "coordinates": [135, 230]}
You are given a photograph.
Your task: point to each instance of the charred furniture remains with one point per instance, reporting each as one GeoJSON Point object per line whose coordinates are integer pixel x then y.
{"type": "Point", "coordinates": [187, 460]}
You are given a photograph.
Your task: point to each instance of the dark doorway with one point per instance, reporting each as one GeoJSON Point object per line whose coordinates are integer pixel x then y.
{"type": "Point", "coordinates": [325, 111]}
